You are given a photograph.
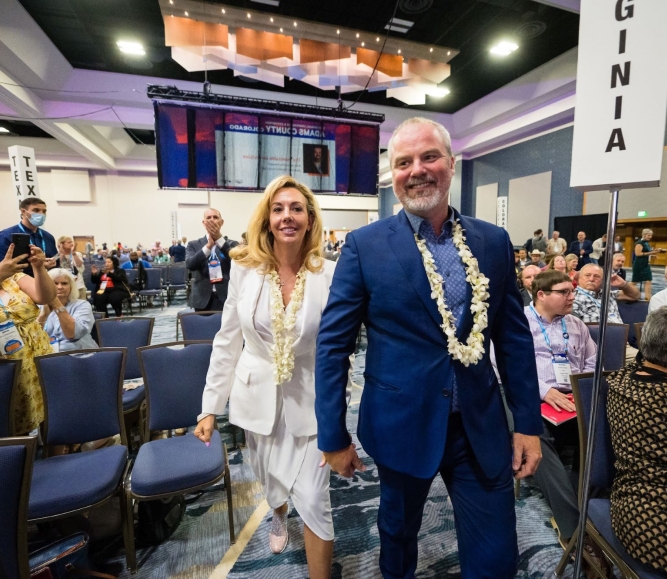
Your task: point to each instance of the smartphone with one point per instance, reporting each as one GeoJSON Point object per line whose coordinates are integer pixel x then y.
{"type": "Point", "coordinates": [21, 243]}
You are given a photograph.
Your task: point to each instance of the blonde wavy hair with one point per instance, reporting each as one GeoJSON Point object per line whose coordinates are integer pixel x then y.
{"type": "Point", "coordinates": [258, 253]}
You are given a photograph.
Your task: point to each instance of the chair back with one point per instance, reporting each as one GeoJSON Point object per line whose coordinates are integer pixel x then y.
{"type": "Point", "coordinates": [131, 275]}
{"type": "Point", "coordinates": [633, 313]}
{"type": "Point", "coordinates": [16, 460]}
{"type": "Point", "coordinates": [174, 377]}
{"type": "Point", "coordinates": [130, 333]}
{"type": "Point", "coordinates": [154, 278]}
{"type": "Point", "coordinates": [200, 325]}
{"type": "Point", "coordinates": [82, 395]}
{"type": "Point", "coordinates": [616, 339]}
{"type": "Point", "coordinates": [638, 333]}
{"type": "Point", "coordinates": [602, 469]}
{"type": "Point", "coordinates": [177, 275]}
{"type": "Point", "coordinates": [9, 377]}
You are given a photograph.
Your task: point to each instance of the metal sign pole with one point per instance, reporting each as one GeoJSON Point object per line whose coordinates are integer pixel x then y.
{"type": "Point", "coordinates": [597, 379]}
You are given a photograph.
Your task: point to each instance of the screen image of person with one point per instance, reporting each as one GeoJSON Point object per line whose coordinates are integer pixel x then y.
{"type": "Point", "coordinates": [278, 289]}
{"type": "Point", "coordinates": [316, 159]}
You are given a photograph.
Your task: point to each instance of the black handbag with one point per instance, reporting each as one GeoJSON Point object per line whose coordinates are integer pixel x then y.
{"type": "Point", "coordinates": [158, 519]}
{"type": "Point", "coordinates": [64, 559]}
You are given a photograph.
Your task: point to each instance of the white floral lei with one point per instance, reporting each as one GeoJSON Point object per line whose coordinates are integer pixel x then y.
{"type": "Point", "coordinates": [472, 351]}
{"type": "Point", "coordinates": [283, 321]}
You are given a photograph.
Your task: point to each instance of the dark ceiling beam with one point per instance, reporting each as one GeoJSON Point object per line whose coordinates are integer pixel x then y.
{"type": "Point", "coordinates": [573, 6]}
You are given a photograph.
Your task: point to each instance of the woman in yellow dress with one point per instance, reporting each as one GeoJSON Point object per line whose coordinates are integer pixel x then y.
{"type": "Point", "coordinates": [21, 336]}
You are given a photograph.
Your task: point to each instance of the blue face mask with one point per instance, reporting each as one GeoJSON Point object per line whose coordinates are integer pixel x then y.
{"type": "Point", "coordinates": [37, 219]}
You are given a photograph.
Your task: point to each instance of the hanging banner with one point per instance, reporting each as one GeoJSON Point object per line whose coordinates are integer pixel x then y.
{"type": "Point", "coordinates": [619, 120]}
{"type": "Point", "coordinates": [501, 212]}
{"type": "Point", "coordinates": [24, 172]}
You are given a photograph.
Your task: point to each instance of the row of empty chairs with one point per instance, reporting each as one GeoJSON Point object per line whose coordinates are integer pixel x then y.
{"type": "Point", "coordinates": [83, 402]}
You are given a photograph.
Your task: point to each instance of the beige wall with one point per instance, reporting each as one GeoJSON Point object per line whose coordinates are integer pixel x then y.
{"type": "Point", "coordinates": [131, 209]}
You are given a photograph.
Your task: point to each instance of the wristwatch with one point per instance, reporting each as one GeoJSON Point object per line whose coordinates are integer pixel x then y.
{"type": "Point", "coordinates": [60, 309]}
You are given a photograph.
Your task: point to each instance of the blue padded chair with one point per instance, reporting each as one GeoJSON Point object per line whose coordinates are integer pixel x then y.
{"type": "Point", "coordinates": [633, 313]}
{"type": "Point", "coordinates": [130, 333]}
{"type": "Point", "coordinates": [179, 315]}
{"type": "Point", "coordinates": [153, 286]}
{"type": "Point", "coordinates": [93, 332]}
{"type": "Point", "coordinates": [200, 325]}
{"type": "Point", "coordinates": [175, 376]}
{"type": "Point", "coordinates": [9, 378]}
{"type": "Point", "coordinates": [598, 525]}
{"type": "Point", "coordinates": [82, 402]}
{"type": "Point", "coordinates": [16, 460]}
{"type": "Point", "coordinates": [131, 275]}
{"type": "Point", "coordinates": [178, 280]}
{"type": "Point", "coordinates": [616, 339]}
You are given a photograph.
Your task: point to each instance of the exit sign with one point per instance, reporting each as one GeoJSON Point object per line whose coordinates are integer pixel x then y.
{"type": "Point", "coordinates": [642, 214]}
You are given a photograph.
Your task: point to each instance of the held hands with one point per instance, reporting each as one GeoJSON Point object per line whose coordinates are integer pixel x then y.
{"type": "Point", "coordinates": [344, 461]}
{"type": "Point", "coordinates": [213, 233]}
{"type": "Point", "coordinates": [205, 429]}
{"type": "Point", "coordinates": [10, 265]}
{"type": "Point", "coordinates": [559, 401]}
{"type": "Point", "coordinates": [527, 455]}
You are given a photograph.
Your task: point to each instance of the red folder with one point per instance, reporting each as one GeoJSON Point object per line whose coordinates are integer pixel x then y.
{"type": "Point", "coordinates": [552, 415]}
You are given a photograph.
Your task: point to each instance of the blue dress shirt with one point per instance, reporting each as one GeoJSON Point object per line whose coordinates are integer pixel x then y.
{"type": "Point", "coordinates": [450, 267]}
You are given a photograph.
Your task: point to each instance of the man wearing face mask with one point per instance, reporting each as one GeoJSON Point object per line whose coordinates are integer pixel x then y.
{"type": "Point", "coordinates": [33, 216]}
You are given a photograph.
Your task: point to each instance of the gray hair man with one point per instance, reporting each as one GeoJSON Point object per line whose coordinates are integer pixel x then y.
{"type": "Point", "coordinates": [587, 302]}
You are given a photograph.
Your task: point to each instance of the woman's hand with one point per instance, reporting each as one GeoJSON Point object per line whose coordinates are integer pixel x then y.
{"type": "Point", "coordinates": [94, 269]}
{"type": "Point", "coordinates": [10, 265]}
{"type": "Point", "coordinates": [205, 429]}
{"type": "Point", "coordinates": [37, 258]}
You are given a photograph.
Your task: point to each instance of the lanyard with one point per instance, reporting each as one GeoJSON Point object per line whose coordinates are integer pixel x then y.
{"type": "Point", "coordinates": [38, 232]}
{"type": "Point", "coordinates": [590, 298]}
{"type": "Point", "coordinates": [566, 336]}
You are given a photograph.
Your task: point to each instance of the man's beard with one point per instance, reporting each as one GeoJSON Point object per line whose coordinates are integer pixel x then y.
{"type": "Point", "coordinates": [427, 201]}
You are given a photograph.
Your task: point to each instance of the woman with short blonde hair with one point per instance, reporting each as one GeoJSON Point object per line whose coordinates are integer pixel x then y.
{"type": "Point", "coordinates": [263, 361]}
{"type": "Point", "coordinates": [72, 261]}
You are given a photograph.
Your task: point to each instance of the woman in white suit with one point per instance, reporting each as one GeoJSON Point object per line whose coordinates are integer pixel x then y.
{"type": "Point", "coordinates": [279, 287]}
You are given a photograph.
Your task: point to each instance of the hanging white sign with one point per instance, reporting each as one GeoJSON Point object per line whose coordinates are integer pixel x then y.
{"type": "Point", "coordinates": [501, 212]}
{"type": "Point", "coordinates": [619, 120]}
{"type": "Point", "coordinates": [24, 172]}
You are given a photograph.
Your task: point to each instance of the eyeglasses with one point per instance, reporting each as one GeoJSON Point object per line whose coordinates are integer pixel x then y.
{"type": "Point", "coordinates": [564, 292]}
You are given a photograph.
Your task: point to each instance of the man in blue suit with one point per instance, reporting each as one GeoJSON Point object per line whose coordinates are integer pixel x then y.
{"type": "Point", "coordinates": [582, 248]}
{"type": "Point", "coordinates": [431, 402]}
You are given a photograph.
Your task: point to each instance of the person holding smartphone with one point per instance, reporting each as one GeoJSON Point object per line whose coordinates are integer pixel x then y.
{"type": "Point", "coordinates": [33, 216]}
{"type": "Point", "coordinates": [21, 336]}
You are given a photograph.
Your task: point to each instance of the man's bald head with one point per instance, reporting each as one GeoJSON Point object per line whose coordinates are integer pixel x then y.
{"type": "Point", "coordinates": [527, 275]}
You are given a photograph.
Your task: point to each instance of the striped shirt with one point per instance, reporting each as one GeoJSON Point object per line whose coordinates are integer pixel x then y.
{"type": "Point", "coordinates": [581, 348]}
{"type": "Point", "coordinates": [587, 307]}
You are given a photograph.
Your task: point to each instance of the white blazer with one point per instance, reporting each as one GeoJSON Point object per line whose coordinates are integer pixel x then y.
{"type": "Point", "coordinates": [248, 371]}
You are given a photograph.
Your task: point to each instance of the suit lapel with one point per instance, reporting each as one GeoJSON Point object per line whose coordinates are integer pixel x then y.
{"type": "Point", "coordinates": [251, 290]}
{"type": "Point", "coordinates": [402, 243]}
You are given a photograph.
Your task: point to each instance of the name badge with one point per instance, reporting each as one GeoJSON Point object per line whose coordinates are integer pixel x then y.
{"type": "Point", "coordinates": [10, 339]}
{"type": "Point", "coordinates": [103, 286]}
{"type": "Point", "coordinates": [55, 344]}
{"type": "Point", "coordinates": [562, 370]}
{"type": "Point", "coordinates": [214, 271]}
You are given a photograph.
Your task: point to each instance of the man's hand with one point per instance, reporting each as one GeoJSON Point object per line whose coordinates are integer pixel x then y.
{"type": "Point", "coordinates": [559, 401]}
{"type": "Point", "coordinates": [213, 233]}
{"type": "Point", "coordinates": [617, 281]}
{"type": "Point", "coordinates": [527, 455]}
{"type": "Point", "coordinates": [344, 461]}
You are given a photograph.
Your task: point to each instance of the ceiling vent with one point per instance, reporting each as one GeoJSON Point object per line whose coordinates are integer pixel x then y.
{"type": "Point", "coordinates": [414, 6]}
{"type": "Point", "coordinates": [530, 29]}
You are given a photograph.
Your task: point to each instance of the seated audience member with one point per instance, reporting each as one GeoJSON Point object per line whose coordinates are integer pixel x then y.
{"type": "Point", "coordinates": [528, 273]}
{"type": "Point", "coordinates": [161, 258]}
{"type": "Point", "coordinates": [124, 256]}
{"type": "Point", "coordinates": [571, 262]}
{"type": "Point", "coordinates": [524, 260]}
{"type": "Point", "coordinates": [536, 258]}
{"type": "Point", "coordinates": [637, 412]}
{"type": "Point", "coordinates": [141, 265]}
{"type": "Point", "coordinates": [587, 301]}
{"type": "Point", "coordinates": [556, 245]}
{"type": "Point", "coordinates": [72, 261]}
{"type": "Point", "coordinates": [558, 264]}
{"type": "Point", "coordinates": [110, 286]}
{"type": "Point", "coordinates": [659, 299]}
{"type": "Point", "coordinates": [563, 346]}
{"type": "Point", "coordinates": [66, 319]}
{"type": "Point", "coordinates": [618, 261]}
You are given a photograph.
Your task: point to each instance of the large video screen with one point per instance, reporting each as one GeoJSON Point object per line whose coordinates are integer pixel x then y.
{"type": "Point", "coordinates": [220, 148]}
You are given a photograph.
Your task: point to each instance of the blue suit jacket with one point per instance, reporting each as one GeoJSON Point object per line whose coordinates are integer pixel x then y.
{"type": "Point", "coordinates": [588, 249]}
{"type": "Point", "coordinates": [380, 281]}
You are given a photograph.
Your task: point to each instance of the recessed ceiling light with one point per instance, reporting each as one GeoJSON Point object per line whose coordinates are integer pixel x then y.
{"type": "Point", "coordinates": [129, 47]}
{"type": "Point", "coordinates": [357, 35]}
{"type": "Point", "coordinates": [171, 1]}
{"type": "Point", "coordinates": [295, 24]}
{"type": "Point", "coordinates": [223, 11]}
{"type": "Point", "coordinates": [271, 19]}
{"type": "Point", "coordinates": [430, 50]}
{"type": "Point", "coordinates": [337, 31]}
{"type": "Point", "coordinates": [438, 92]}
{"type": "Point", "coordinates": [377, 39]}
{"type": "Point", "coordinates": [504, 48]}
{"type": "Point", "coordinates": [249, 15]}
{"type": "Point", "coordinates": [3, 130]}
{"type": "Point", "coordinates": [281, 30]}
{"type": "Point", "coordinates": [449, 52]}
{"type": "Point", "coordinates": [399, 51]}
{"type": "Point", "coordinates": [172, 15]}
{"type": "Point", "coordinates": [363, 44]}
{"type": "Point", "coordinates": [186, 13]}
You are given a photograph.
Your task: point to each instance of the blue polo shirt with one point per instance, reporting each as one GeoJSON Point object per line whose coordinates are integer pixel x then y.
{"type": "Point", "coordinates": [40, 238]}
